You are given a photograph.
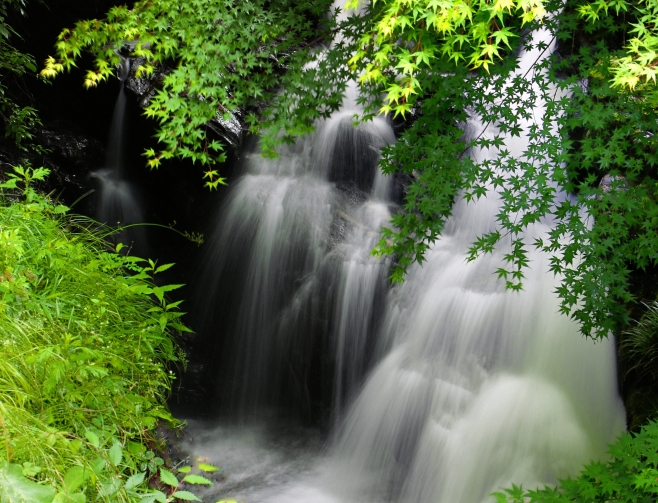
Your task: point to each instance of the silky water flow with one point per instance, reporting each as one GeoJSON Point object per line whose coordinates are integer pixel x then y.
{"type": "Point", "coordinates": [118, 204]}
{"type": "Point", "coordinates": [443, 389]}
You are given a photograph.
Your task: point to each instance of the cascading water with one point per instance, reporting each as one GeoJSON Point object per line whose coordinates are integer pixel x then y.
{"type": "Point", "coordinates": [118, 204]}
{"type": "Point", "coordinates": [480, 387]}
{"type": "Point", "coordinates": [303, 284]}
{"type": "Point", "coordinates": [471, 387]}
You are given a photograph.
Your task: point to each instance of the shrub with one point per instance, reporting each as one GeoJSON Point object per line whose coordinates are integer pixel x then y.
{"type": "Point", "coordinates": [86, 341]}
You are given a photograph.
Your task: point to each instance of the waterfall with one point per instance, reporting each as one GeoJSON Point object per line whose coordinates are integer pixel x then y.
{"type": "Point", "coordinates": [481, 387]}
{"type": "Point", "coordinates": [293, 240]}
{"type": "Point", "coordinates": [443, 389]}
{"type": "Point", "coordinates": [118, 203]}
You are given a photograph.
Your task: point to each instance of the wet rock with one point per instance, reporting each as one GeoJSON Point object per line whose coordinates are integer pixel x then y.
{"type": "Point", "coordinates": [350, 196]}
{"type": "Point", "coordinates": [612, 182]}
{"type": "Point", "coordinates": [144, 87]}
{"type": "Point", "coordinates": [227, 125]}
{"type": "Point", "coordinates": [229, 129]}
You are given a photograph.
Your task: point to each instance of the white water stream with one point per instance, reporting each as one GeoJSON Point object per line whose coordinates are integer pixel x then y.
{"type": "Point", "coordinates": [456, 387]}
{"type": "Point", "coordinates": [118, 204]}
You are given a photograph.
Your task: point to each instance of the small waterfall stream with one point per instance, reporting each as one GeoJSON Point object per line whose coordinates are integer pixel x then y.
{"type": "Point", "coordinates": [443, 389]}
{"type": "Point", "coordinates": [118, 203]}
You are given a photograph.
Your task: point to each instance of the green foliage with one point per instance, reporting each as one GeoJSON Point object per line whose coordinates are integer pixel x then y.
{"type": "Point", "coordinates": [590, 129]}
{"type": "Point", "coordinates": [631, 475]}
{"type": "Point", "coordinates": [608, 132]}
{"type": "Point", "coordinates": [19, 120]}
{"type": "Point", "coordinates": [225, 55]}
{"type": "Point", "coordinates": [640, 57]}
{"type": "Point", "coordinates": [86, 341]}
{"type": "Point", "coordinates": [640, 345]}
{"type": "Point", "coordinates": [469, 34]}
{"type": "Point", "coordinates": [598, 120]}
{"type": "Point", "coordinates": [174, 485]}
{"type": "Point", "coordinates": [430, 151]}
{"type": "Point", "coordinates": [16, 488]}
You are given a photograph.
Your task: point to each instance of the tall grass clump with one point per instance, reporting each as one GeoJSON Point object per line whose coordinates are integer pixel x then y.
{"type": "Point", "coordinates": [638, 355]}
{"type": "Point", "coordinates": [86, 350]}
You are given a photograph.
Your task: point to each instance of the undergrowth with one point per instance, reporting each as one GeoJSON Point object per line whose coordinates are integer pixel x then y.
{"type": "Point", "coordinates": [638, 355]}
{"type": "Point", "coordinates": [86, 351]}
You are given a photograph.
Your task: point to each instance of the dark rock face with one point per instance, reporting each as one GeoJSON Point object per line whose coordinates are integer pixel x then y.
{"type": "Point", "coordinates": [230, 130]}
{"type": "Point", "coordinates": [228, 126]}
{"type": "Point", "coordinates": [145, 87]}
{"type": "Point", "coordinates": [69, 155]}
{"type": "Point", "coordinates": [71, 147]}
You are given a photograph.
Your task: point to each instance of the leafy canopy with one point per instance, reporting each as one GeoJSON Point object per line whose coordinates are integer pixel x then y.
{"type": "Point", "coordinates": [222, 57]}
{"type": "Point", "coordinates": [596, 127]}
{"type": "Point", "coordinates": [448, 60]}
{"type": "Point", "coordinates": [470, 34]}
